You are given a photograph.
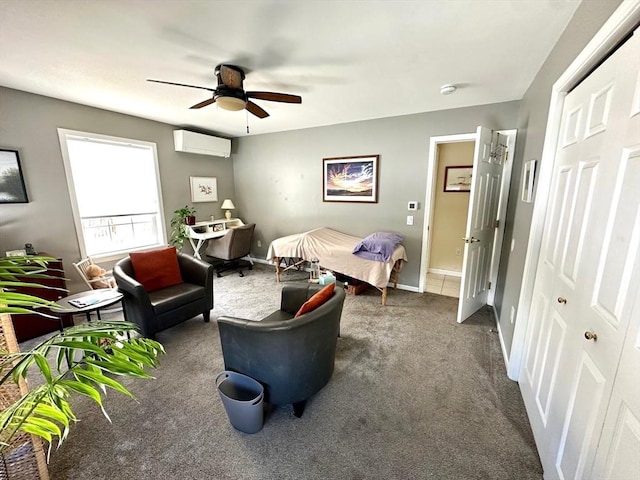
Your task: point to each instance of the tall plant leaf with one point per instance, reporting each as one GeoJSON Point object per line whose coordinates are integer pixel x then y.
{"type": "Point", "coordinates": [79, 360]}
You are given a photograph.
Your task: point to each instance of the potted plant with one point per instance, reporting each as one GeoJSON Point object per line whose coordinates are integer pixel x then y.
{"type": "Point", "coordinates": [181, 218]}
{"type": "Point", "coordinates": [80, 360]}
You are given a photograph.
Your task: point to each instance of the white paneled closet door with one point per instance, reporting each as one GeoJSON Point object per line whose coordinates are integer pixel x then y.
{"type": "Point", "coordinates": [587, 278]}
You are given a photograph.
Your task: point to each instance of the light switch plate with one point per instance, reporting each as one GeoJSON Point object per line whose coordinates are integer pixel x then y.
{"type": "Point", "coordinates": [409, 219]}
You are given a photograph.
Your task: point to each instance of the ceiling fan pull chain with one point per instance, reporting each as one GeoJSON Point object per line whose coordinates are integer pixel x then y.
{"type": "Point", "coordinates": [247, 114]}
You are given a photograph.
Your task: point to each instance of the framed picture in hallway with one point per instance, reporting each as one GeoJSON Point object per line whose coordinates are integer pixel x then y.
{"type": "Point", "coordinates": [458, 179]}
{"type": "Point", "coordinates": [350, 179]}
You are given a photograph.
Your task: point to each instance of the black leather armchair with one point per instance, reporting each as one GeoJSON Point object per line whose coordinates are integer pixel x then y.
{"type": "Point", "coordinates": [161, 309]}
{"type": "Point", "coordinates": [292, 357]}
{"type": "Point", "coordinates": [235, 244]}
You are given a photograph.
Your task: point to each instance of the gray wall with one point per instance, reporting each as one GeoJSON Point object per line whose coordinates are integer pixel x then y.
{"type": "Point", "coordinates": [279, 176]}
{"type": "Point", "coordinates": [29, 124]}
{"type": "Point", "coordinates": [532, 123]}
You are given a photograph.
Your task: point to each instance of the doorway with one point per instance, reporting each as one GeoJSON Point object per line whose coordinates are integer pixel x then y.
{"type": "Point", "coordinates": [488, 186]}
{"type": "Point", "coordinates": [450, 208]}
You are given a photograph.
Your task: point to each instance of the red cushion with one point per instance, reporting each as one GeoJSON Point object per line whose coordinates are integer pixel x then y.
{"type": "Point", "coordinates": [318, 299]}
{"type": "Point", "coordinates": [156, 269]}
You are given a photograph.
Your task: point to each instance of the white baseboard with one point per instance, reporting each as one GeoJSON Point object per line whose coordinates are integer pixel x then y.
{"type": "Point", "coordinates": [408, 288]}
{"type": "Point", "coordinates": [502, 345]}
{"type": "Point", "coordinates": [262, 260]}
{"type": "Point", "coordinates": [451, 273]}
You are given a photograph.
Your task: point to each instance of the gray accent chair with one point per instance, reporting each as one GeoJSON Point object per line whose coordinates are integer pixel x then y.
{"type": "Point", "coordinates": [292, 357]}
{"type": "Point", "coordinates": [164, 308]}
{"type": "Point", "coordinates": [230, 248]}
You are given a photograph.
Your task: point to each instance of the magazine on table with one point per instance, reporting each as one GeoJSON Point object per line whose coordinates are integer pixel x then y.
{"type": "Point", "coordinates": [97, 297]}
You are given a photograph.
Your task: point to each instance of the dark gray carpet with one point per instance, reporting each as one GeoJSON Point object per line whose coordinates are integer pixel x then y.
{"type": "Point", "coordinates": [414, 396]}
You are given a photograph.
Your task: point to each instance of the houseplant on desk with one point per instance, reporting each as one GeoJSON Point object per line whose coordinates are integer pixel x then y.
{"type": "Point", "coordinates": [82, 359]}
{"type": "Point", "coordinates": [181, 218]}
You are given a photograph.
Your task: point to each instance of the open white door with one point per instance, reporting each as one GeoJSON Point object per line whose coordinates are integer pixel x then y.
{"type": "Point", "coordinates": [481, 223]}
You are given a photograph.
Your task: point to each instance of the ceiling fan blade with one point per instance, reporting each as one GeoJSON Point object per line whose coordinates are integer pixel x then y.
{"type": "Point", "coordinates": [256, 110]}
{"type": "Point", "coordinates": [181, 85]}
{"type": "Point", "coordinates": [204, 104]}
{"type": "Point", "coordinates": [275, 97]}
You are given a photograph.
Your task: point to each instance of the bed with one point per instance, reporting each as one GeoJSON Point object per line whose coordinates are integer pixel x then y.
{"type": "Point", "coordinates": [334, 251]}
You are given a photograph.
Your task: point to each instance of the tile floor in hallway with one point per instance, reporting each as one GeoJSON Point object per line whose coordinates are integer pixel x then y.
{"type": "Point", "coordinates": [441, 284]}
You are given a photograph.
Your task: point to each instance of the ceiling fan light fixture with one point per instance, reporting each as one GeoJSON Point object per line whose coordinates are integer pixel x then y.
{"type": "Point", "coordinates": [448, 89]}
{"type": "Point", "coordinates": [231, 103]}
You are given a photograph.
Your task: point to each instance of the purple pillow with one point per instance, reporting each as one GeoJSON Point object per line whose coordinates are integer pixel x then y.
{"type": "Point", "coordinates": [378, 246]}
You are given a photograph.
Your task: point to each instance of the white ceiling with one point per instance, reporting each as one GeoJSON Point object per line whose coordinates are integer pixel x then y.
{"type": "Point", "coordinates": [349, 60]}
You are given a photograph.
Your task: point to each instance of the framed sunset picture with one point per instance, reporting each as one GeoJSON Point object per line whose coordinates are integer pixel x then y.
{"type": "Point", "coordinates": [350, 179]}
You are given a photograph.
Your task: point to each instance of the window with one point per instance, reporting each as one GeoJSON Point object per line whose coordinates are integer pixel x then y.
{"type": "Point", "coordinates": [114, 186]}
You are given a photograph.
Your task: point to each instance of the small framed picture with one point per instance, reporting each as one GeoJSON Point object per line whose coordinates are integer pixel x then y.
{"type": "Point", "coordinates": [218, 227]}
{"type": "Point", "coordinates": [528, 177]}
{"type": "Point", "coordinates": [458, 179]}
{"type": "Point", "coordinates": [204, 189]}
{"type": "Point", "coordinates": [12, 188]}
{"type": "Point", "coordinates": [16, 253]}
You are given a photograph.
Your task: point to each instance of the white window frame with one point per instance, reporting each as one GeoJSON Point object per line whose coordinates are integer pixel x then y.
{"type": "Point", "coordinates": [63, 134]}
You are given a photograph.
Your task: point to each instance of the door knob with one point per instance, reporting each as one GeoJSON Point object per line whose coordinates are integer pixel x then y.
{"type": "Point", "coordinates": [590, 336]}
{"type": "Point", "coordinates": [562, 300]}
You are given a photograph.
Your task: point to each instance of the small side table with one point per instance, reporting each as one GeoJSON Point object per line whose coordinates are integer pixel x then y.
{"type": "Point", "coordinates": [98, 299]}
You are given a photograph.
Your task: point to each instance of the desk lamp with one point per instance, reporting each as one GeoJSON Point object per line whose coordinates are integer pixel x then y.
{"type": "Point", "coordinates": [227, 205]}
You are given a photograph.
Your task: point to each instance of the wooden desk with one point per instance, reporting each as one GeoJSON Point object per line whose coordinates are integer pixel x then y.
{"type": "Point", "coordinates": [203, 231]}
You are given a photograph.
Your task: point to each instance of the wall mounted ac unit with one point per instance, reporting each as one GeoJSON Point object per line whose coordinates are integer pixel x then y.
{"type": "Point", "coordinates": [192, 142]}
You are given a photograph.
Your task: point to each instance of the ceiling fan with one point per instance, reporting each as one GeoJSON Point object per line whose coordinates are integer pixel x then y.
{"type": "Point", "coordinates": [230, 94]}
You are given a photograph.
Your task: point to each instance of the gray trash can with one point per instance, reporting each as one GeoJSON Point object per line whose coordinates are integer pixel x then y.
{"type": "Point", "coordinates": [242, 397]}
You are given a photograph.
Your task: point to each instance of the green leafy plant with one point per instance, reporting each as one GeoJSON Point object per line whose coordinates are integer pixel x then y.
{"type": "Point", "coordinates": [85, 359]}
{"type": "Point", "coordinates": [12, 267]}
{"type": "Point", "coordinates": [179, 225]}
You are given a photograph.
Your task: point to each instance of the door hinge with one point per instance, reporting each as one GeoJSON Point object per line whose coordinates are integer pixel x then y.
{"type": "Point", "coordinates": [497, 223]}
{"type": "Point", "coordinates": [489, 285]}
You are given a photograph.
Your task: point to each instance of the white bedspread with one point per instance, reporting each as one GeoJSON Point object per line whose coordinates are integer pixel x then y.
{"type": "Point", "coordinates": [333, 249]}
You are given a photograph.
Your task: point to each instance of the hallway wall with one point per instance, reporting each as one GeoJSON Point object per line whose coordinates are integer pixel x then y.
{"type": "Point", "coordinates": [450, 210]}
